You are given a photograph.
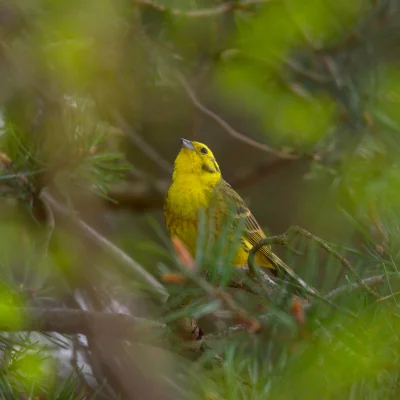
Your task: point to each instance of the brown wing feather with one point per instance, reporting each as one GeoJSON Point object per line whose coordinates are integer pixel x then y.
{"type": "Point", "coordinates": [252, 232]}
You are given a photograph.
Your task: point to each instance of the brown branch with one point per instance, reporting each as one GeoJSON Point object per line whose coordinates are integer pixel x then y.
{"type": "Point", "coordinates": [126, 262]}
{"type": "Point", "coordinates": [204, 12]}
{"type": "Point", "coordinates": [143, 145]}
{"type": "Point", "coordinates": [233, 132]}
{"type": "Point", "coordinates": [70, 321]}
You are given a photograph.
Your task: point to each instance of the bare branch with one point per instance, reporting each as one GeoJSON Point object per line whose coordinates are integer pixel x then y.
{"type": "Point", "coordinates": [70, 321]}
{"type": "Point", "coordinates": [143, 145]}
{"type": "Point", "coordinates": [233, 132]}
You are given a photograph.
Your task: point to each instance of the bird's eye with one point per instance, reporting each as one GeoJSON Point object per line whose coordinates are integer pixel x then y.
{"type": "Point", "coordinates": [204, 150]}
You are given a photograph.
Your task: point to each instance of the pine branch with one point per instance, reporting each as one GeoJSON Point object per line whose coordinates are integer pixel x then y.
{"type": "Point", "coordinates": [126, 262]}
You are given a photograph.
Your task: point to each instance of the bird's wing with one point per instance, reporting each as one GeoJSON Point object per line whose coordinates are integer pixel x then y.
{"type": "Point", "coordinates": [233, 202]}
{"type": "Point", "coordinates": [252, 232]}
{"type": "Point", "coordinates": [227, 197]}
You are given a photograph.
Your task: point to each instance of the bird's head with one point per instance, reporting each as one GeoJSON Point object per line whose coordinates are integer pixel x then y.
{"type": "Point", "coordinates": [196, 158]}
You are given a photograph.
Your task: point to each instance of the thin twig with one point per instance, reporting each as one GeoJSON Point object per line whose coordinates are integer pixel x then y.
{"type": "Point", "coordinates": [372, 281]}
{"type": "Point", "coordinates": [124, 260]}
{"type": "Point", "coordinates": [143, 145]}
{"type": "Point", "coordinates": [233, 132]}
{"type": "Point", "coordinates": [340, 258]}
{"type": "Point", "coordinates": [205, 12]}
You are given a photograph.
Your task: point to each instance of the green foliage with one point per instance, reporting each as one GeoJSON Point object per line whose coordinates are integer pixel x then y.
{"type": "Point", "coordinates": [83, 154]}
{"type": "Point", "coordinates": [332, 355]}
{"type": "Point", "coordinates": [85, 86]}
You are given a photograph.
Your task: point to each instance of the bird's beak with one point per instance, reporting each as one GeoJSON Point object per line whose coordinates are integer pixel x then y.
{"type": "Point", "coordinates": [187, 144]}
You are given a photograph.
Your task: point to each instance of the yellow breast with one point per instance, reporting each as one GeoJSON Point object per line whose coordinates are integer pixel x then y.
{"type": "Point", "coordinates": [185, 198]}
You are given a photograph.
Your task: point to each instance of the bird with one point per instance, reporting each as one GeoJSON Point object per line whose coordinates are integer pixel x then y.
{"type": "Point", "coordinates": [197, 184]}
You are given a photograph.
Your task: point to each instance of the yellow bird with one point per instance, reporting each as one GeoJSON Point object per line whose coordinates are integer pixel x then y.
{"type": "Point", "coordinates": [197, 184]}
